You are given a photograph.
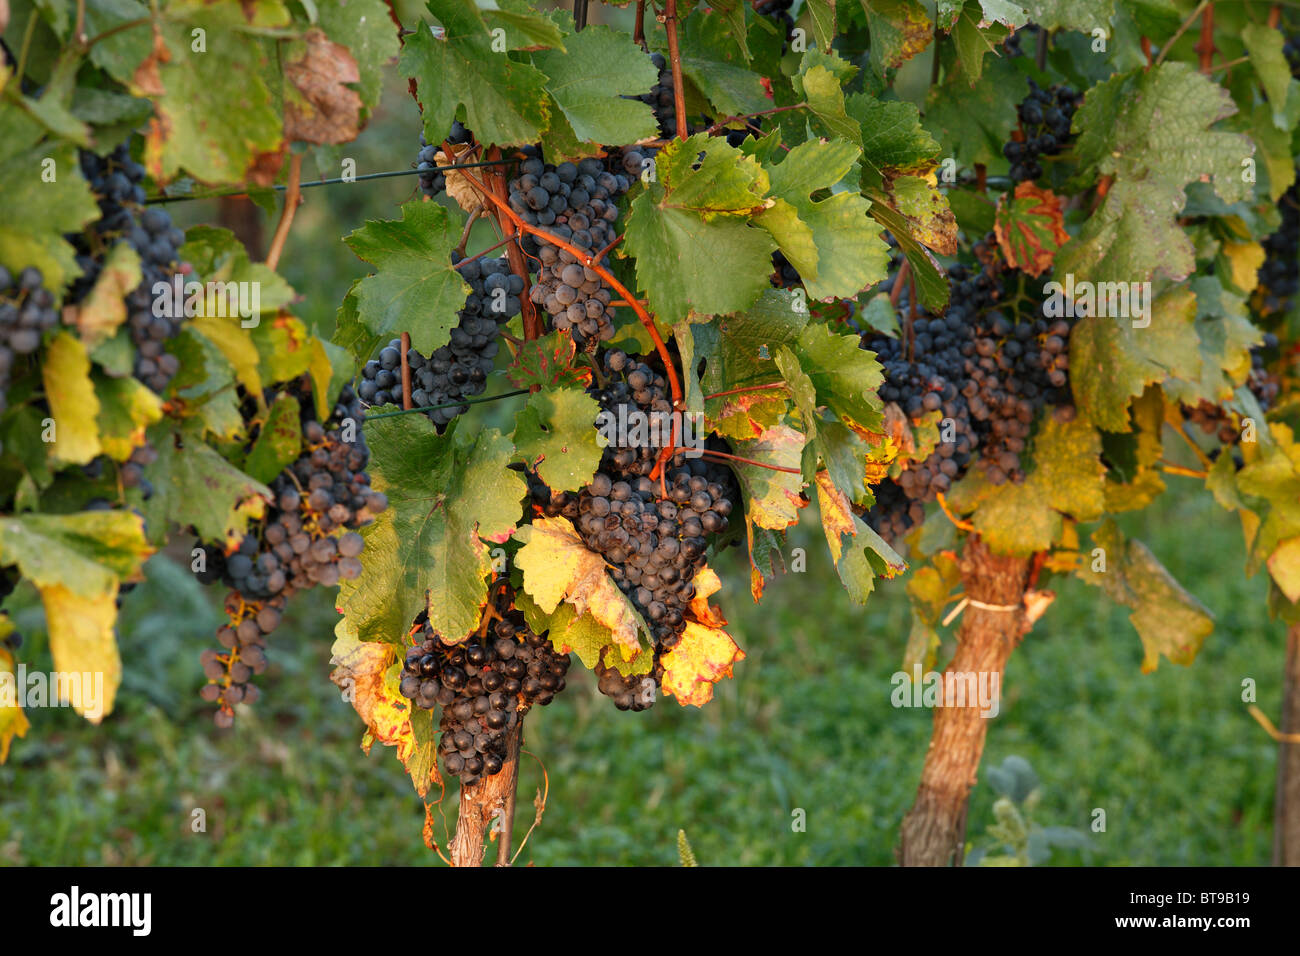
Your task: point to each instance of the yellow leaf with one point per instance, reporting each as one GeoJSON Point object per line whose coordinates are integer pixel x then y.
{"type": "Point", "coordinates": [73, 404]}
{"type": "Point", "coordinates": [1245, 258]}
{"type": "Point", "coordinates": [13, 722]}
{"type": "Point", "coordinates": [104, 309]}
{"type": "Point", "coordinates": [84, 647]}
{"type": "Point", "coordinates": [703, 657]}
{"type": "Point", "coordinates": [558, 566]}
{"type": "Point", "coordinates": [362, 670]}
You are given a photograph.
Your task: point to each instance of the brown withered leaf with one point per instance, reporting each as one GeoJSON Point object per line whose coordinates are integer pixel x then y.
{"type": "Point", "coordinates": [326, 111]}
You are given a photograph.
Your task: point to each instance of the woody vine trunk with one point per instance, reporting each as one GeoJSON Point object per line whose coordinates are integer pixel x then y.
{"type": "Point", "coordinates": [933, 830]}
{"type": "Point", "coordinates": [483, 801]}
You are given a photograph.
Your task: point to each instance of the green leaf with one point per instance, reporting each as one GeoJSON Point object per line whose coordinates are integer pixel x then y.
{"type": "Point", "coordinates": [416, 289]}
{"type": "Point", "coordinates": [972, 122]}
{"type": "Point", "coordinates": [1126, 126]}
{"type": "Point", "coordinates": [351, 334]}
{"type": "Point", "coordinates": [1114, 361]}
{"type": "Point", "coordinates": [555, 433]}
{"type": "Point", "coordinates": [931, 283]}
{"type": "Point", "coordinates": [195, 486]}
{"type": "Point", "coordinates": [772, 498]}
{"type": "Point", "coordinates": [367, 30]}
{"type": "Point", "coordinates": [730, 88]}
{"type": "Point", "coordinates": [974, 38]}
{"type": "Point", "coordinates": [589, 79]}
{"type": "Point", "coordinates": [126, 410]}
{"type": "Point", "coordinates": [1264, 48]}
{"type": "Point", "coordinates": [38, 213]}
{"type": "Point", "coordinates": [893, 139]}
{"type": "Point", "coordinates": [1168, 619]}
{"type": "Point", "coordinates": [1082, 15]}
{"type": "Point", "coordinates": [524, 26]}
{"type": "Point", "coordinates": [1067, 478]}
{"type": "Point", "coordinates": [504, 100]}
{"type": "Point", "coordinates": [820, 88]}
{"type": "Point", "coordinates": [74, 406]}
{"type": "Point", "coordinates": [845, 378]}
{"type": "Point", "coordinates": [279, 442]}
{"type": "Point", "coordinates": [695, 254]}
{"type": "Point", "coordinates": [447, 495]}
{"type": "Point", "coordinates": [900, 29]}
{"type": "Point", "coordinates": [849, 254]}
{"type": "Point", "coordinates": [925, 208]}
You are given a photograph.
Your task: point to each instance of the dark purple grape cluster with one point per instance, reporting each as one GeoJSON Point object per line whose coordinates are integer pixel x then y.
{"type": "Point", "coordinates": [459, 369]}
{"type": "Point", "coordinates": [577, 202]}
{"type": "Point", "coordinates": [784, 275]}
{"type": "Point", "coordinates": [484, 685]}
{"type": "Point", "coordinates": [432, 180]}
{"type": "Point", "coordinates": [1279, 276]}
{"type": "Point", "coordinates": [1045, 118]}
{"type": "Point", "coordinates": [27, 312]}
{"type": "Point", "coordinates": [117, 181]}
{"type": "Point", "coordinates": [653, 538]}
{"type": "Point", "coordinates": [1013, 46]}
{"type": "Point", "coordinates": [306, 538]}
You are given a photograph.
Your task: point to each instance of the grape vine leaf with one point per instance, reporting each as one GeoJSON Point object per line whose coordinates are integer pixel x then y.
{"type": "Point", "coordinates": [866, 555]}
{"type": "Point", "coordinates": [74, 406]}
{"type": "Point", "coordinates": [976, 33]}
{"type": "Point", "coordinates": [555, 434]}
{"type": "Point", "coordinates": [103, 310]}
{"type": "Point", "coordinates": [1224, 336]}
{"type": "Point", "coordinates": [416, 289]}
{"type": "Point", "coordinates": [278, 443]}
{"type": "Point", "coordinates": [76, 561]}
{"type": "Point", "coordinates": [38, 213]}
{"type": "Point", "coordinates": [1115, 358]}
{"type": "Point", "coordinates": [194, 485]}
{"type": "Point", "coordinates": [582, 634]}
{"type": "Point", "coordinates": [1151, 131]}
{"type": "Point", "coordinates": [504, 100]}
{"type": "Point", "coordinates": [320, 105]}
{"type": "Point", "coordinates": [367, 673]}
{"type": "Point", "coordinates": [589, 80]}
{"type": "Point", "coordinates": [1168, 619]}
{"type": "Point", "coordinates": [972, 122]}
{"type": "Point", "coordinates": [126, 409]}
{"type": "Point", "coordinates": [526, 27]}
{"type": "Point", "coordinates": [351, 334]}
{"type": "Point", "coordinates": [848, 253]}
{"type": "Point", "coordinates": [557, 567]}
{"type": "Point", "coordinates": [1083, 15]}
{"type": "Point", "coordinates": [820, 88]}
{"type": "Point", "coordinates": [548, 362]}
{"type": "Point", "coordinates": [1264, 46]}
{"type": "Point", "coordinates": [1066, 478]}
{"type": "Point", "coordinates": [367, 30]}
{"type": "Point", "coordinates": [13, 722]}
{"type": "Point", "coordinates": [695, 252]}
{"type": "Point", "coordinates": [918, 200]}
{"type": "Point", "coordinates": [703, 656]}
{"type": "Point", "coordinates": [929, 591]}
{"type": "Point", "coordinates": [900, 29]}
{"type": "Point", "coordinates": [893, 139]}
{"type": "Point", "coordinates": [845, 378]}
{"type": "Point", "coordinates": [447, 495]}
{"type": "Point", "coordinates": [931, 283]}
{"type": "Point", "coordinates": [732, 89]}
{"type": "Point", "coordinates": [1030, 227]}
{"type": "Point", "coordinates": [193, 84]}
{"type": "Point", "coordinates": [772, 498]}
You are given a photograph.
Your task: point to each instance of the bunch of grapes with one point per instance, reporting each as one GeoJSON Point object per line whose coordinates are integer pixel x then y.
{"type": "Point", "coordinates": [1013, 47]}
{"type": "Point", "coordinates": [660, 97]}
{"type": "Point", "coordinates": [1045, 117]}
{"type": "Point", "coordinates": [117, 183]}
{"type": "Point", "coordinates": [1279, 276]}
{"type": "Point", "coordinates": [579, 204]}
{"type": "Point", "coordinates": [26, 312]}
{"type": "Point", "coordinates": [432, 180]}
{"type": "Point", "coordinates": [784, 275]}
{"type": "Point", "coordinates": [307, 537]}
{"type": "Point", "coordinates": [459, 369]}
{"type": "Point", "coordinates": [485, 685]}
{"type": "Point", "coordinates": [653, 538]}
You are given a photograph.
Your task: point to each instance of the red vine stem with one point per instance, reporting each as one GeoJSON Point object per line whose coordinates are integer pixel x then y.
{"type": "Point", "coordinates": [480, 255]}
{"type": "Point", "coordinates": [710, 453]}
{"type": "Point", "coordinates": [612, 243]}
{"type": "Point", "coordinates": [746, 388]}
{"type": "Point", "coordinates": [1206, 45]}
{"type": "Point", "coordinates": [533, 328]}
{"type": "Point", "coordinates": [744, 116]}
{"type": "Point", "coordinates": [896, 292]}
{"type": "Point", "coordinates": [585, 257]}
{"type": "Point", "coordinates": [638, 31]}
{"type": "Point", "coordinates": [675, 59]}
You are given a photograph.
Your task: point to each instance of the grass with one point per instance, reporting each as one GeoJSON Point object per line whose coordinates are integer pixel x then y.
{"type": "Point", "coordinates": [1182, 772]}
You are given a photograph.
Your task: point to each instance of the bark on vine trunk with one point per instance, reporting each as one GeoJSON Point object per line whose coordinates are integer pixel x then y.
{"type": "Point", "coordinates": [932, 833]}
{"type": "Point", "coordinates": [1286, 811]}
{"type": "Point", "coordinates": [483, 801]}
